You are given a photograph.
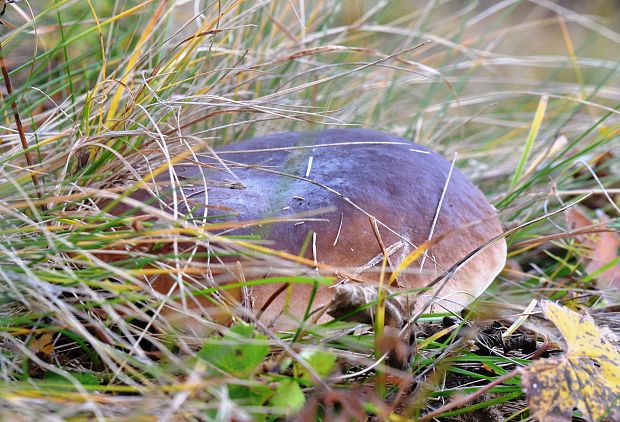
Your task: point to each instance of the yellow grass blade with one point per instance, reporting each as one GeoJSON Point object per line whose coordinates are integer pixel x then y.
{"type": "Point", "coordinates": [531, 138]}
{"type": "Point", "coordinates": [148, 31]}
{"type": "Point", "coordinates": [410, 259]}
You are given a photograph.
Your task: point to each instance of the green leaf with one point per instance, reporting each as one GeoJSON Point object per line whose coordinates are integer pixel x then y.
{"type": "Point", "coordinates": [238, 353]}
{"type": "Point", "coordinates": [321, 361]}
{"type": "Point", "coordinates": [82, 377]}
{"type": "Point", "coordinates": [256, 395]}
{"type": "Point", "coordinates": [288, 397]}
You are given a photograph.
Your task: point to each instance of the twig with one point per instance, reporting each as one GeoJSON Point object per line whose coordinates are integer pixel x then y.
{"type": "Point", "coordinates": [384, 251]}
{"type": "Point", "coordinates": [18, 123]}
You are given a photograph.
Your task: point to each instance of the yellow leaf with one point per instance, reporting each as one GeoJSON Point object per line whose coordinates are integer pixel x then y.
{"type": "Point", "coordinates": [43, 344]}
{"type": "Point", "coordinates": [587, 377]}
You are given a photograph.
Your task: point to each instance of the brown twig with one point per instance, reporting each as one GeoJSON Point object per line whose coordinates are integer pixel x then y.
{"type": "Point", "coordinates": [18, 123]}
{"type": "Point", "coordinates": [386, 255]}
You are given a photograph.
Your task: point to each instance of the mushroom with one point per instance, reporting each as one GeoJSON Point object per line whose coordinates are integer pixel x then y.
{"type": "Point", "coordinates": [379, 194]}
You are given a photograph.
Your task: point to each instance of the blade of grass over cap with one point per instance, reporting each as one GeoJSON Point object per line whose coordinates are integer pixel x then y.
{"type": "Point", "coordinates": [102, 314]}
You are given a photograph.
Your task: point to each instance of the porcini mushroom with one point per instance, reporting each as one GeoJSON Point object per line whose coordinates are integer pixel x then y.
{"type": "Point", "coordinates": [383, 193]}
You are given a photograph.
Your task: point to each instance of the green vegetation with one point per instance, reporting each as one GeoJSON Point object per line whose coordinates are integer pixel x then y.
{"type": "Point", "coordinates": [112, 93]}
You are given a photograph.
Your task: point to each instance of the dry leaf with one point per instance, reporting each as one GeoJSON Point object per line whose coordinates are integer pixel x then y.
{"type": "Point", "coordinates": [43, 344]}
{"type": "Point", "coordinates": [586, 377]}
{"type": "Point", "coordinates": [603, 246]}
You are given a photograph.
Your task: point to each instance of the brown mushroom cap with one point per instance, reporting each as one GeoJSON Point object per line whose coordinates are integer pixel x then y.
{"type": "Point", "coordinates": [359, 174]}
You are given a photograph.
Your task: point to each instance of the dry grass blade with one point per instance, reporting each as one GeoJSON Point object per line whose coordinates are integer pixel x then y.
{"type": "Point", "coordinates": [101, 99]}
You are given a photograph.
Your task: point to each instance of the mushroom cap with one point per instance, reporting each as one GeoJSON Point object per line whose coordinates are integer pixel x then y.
{"type": "Point", "coordinates": [359, 174]}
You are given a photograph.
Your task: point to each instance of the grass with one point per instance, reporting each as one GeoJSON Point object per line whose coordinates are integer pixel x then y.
{"type": "Point", "coordinates": [112, 93]}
